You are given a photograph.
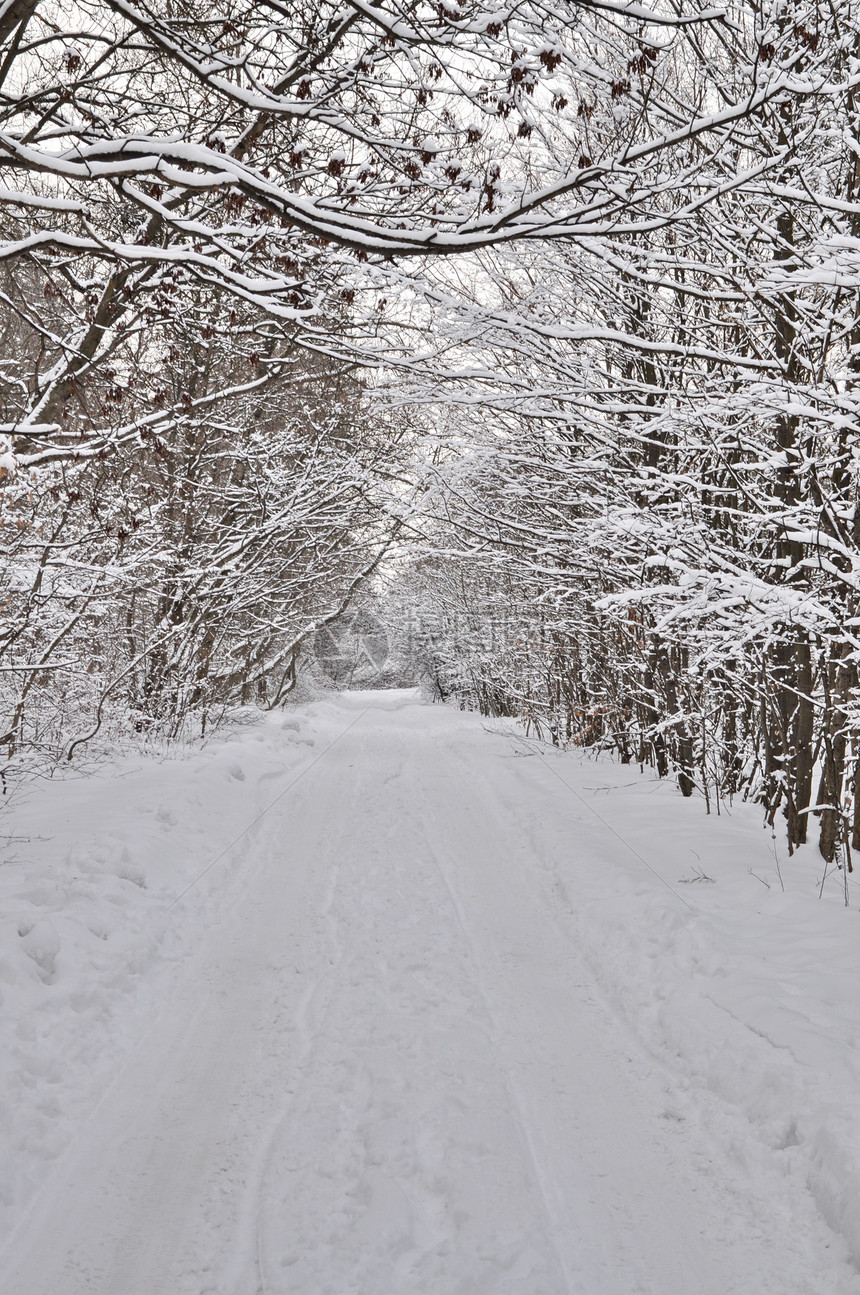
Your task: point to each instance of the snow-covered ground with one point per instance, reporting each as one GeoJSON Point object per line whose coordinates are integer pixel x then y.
{"type": "Point", "coordinates": [455, 1016]}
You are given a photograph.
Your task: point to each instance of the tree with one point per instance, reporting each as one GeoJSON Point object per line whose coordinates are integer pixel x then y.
{"type": "Point", "coordinates": [668, 460]}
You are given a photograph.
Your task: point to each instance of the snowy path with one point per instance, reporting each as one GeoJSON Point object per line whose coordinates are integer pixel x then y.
{"type": "Point", "coordinates": [389, 1070]}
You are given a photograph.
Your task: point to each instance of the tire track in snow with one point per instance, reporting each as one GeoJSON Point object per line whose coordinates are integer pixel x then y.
{"type": "Point", "coordinates": [401, 1167]}
{"type": "Point", "coordinates": [429, 830]}
{"type": "Point", "coordinates": [155, 1197]}
{"type": "Point", "coordinates": [390, 1072]}
{"type": "Point", "coordinates": [644, 1198]}
{"type": "Point", "coordinates": [311, 1016]}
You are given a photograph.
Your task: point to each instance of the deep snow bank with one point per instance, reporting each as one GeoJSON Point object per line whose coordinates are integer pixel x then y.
{"type": "Point", "coordinates": [727, 963]}
{"type": "Point", "coordinates": [745, 991]}
{"type": "Point", "coordinates": [90, 935]}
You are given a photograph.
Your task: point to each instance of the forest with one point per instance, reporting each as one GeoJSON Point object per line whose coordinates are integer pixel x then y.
{"type": "Point", "coordinates": [533, 327]}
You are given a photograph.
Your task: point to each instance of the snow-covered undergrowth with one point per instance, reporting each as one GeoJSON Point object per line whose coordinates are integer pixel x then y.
{"type": "Point", "coordinates": [734, 972]}
{"type": "Point", "coordinates": [89, 931]}
{"type": "Point", "coordinates": [745, 992]}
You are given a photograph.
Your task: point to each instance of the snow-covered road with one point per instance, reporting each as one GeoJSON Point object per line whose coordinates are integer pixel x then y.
{"type": "Point", "coordinates": [388, 1068]}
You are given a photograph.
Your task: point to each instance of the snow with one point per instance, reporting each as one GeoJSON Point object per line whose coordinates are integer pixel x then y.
{"type": "Point", "coordinates": [370, 996]}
